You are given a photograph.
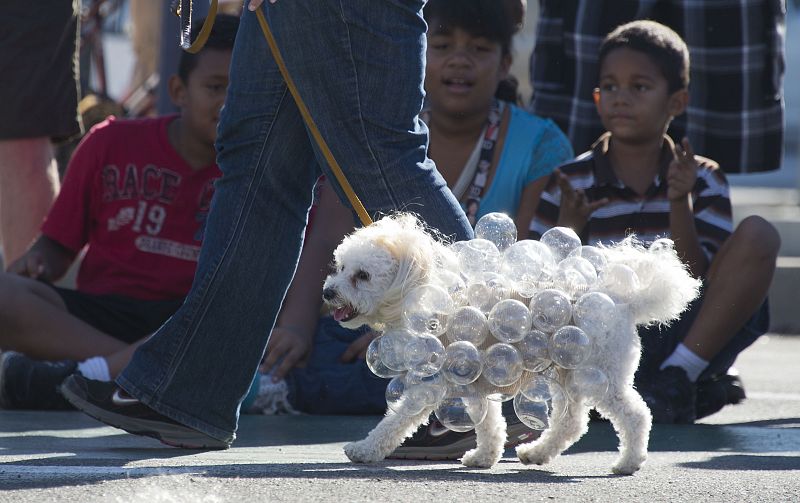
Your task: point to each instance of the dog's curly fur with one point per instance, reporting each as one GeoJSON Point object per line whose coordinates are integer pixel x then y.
{"type": "Point", "coordinates": [378, 264]}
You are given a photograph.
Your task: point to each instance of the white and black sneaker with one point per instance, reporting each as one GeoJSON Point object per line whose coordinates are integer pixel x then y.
{"type": "Point", "coordinates": [110, 404]}
{"type": "Point", "coordinates": [30, 384]}
{"type": "Point", "coordinates": [435, 442]}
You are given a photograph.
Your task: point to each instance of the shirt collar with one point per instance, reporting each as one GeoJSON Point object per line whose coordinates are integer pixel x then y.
{"type": "Point", "coordinates": [604, 173]}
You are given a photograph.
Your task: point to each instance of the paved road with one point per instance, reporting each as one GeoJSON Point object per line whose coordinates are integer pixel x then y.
{"type": "Point", "coordinates": [750, 452]}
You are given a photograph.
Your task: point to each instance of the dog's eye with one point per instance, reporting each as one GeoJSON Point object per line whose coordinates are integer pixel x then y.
{"type": "Point", "coordinates": [362, 276]}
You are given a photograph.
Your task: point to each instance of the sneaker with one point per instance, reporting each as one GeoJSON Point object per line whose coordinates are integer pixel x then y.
{"type": "Point", "coordinates": [110, 404]}
{"type": "Point", "coordinates": [32, 384]}
{"type": "Point", "coordinates": [670, 395]}
{"type": "Point", "coordinates": [716, 392]}
{"type": "Point", "coordinates": [435, 442]}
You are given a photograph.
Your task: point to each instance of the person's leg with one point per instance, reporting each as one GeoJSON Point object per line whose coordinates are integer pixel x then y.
{"type": "Point", "coordinates": [736, 285]}
{"type": "Point", "coordinates": [325, 385]}
{"type": "Point", "coordinates": [28, 186]}
{"type": "Point", "coordinates": [360, 73]}
{"type": "Point", "coordinates": [34, 320]}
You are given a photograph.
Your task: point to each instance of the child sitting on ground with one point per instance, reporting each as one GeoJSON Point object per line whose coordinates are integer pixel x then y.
{"type": "Point", "coordinates": [637, 180]}
{"type": "Point", "coordinates": [134, 198]}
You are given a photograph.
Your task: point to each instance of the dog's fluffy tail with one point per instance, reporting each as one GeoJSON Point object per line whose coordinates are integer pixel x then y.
{"type": "Point", "coordinates": [665, 286]}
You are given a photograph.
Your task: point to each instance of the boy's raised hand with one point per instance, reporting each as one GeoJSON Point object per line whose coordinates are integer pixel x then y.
{"type": "Point", "coordinates": [575, 209]}
{"type": "Point", "coordinates": [682, 173]}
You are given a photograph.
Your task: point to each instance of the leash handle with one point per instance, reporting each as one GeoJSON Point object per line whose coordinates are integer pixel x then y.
{"type": "Point", "coordinates": [183, 9]}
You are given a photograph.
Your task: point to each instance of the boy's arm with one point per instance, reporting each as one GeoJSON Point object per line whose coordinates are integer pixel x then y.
{"type": "Point", "coordinates": [46, 260]}
{"type": "Point", "coordinates": [681, 179]}
{"type": "Point", "coordinates": [293, 336]}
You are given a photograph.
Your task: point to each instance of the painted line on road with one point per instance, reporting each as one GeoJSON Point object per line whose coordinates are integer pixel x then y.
{"type": "Point", "coordinates": [97, 470]}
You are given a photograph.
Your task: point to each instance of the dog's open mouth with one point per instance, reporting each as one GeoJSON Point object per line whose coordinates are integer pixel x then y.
{"type": "Point", "coordinates": [344, 313]}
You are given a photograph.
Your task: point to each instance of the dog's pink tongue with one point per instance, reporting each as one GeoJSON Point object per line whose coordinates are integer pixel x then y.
{"type": "Point", "coordinates": [340, 313]}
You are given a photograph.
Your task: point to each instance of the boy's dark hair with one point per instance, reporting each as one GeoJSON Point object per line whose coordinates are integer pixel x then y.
{"type": "Point", "coordinates": [222, 36]}
{"type": "Point", "coordinates": [492, 19]}
{"type": "Point", "coordinates": [660, 43]}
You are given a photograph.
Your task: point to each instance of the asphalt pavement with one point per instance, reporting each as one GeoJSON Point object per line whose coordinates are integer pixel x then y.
{"type": "Point", "coordinates": [747, 452]}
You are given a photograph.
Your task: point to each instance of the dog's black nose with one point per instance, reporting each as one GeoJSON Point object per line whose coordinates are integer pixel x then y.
{"type": "Point", "coordinates": [329, 293]}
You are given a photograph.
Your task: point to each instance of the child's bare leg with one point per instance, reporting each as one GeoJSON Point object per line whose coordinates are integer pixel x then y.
{"type": "Point", "coordinates": [737, 283]}
{"type": "Point", "coordinates": [119, 360]}
{"type": "Point", "coordinates": [35, 321]}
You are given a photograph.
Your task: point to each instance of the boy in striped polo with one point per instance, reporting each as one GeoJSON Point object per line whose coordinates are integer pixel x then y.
{"type": "Point", "coordinates": [636, 180]}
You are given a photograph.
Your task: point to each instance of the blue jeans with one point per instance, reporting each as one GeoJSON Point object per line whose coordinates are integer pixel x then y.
{"type": "Point", "coordinates": [359, 67]}
{"type": "Point", "coordinates": [328, 386]}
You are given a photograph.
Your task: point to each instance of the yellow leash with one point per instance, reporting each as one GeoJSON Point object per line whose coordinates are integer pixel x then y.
{"type": "Point", "coordinates": [202, 37]}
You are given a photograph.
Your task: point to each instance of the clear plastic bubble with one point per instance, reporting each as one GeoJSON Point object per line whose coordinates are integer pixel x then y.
{"type": "Point", "coordinates": [486, 290]}
{"type": "Point", "coordinates": [551, 309]}
{"type": "Point", "coordinates": [461, 409]}
{"type": "Point", "coordinates": [561, 241]}
{"type": "Point", "coordinates": [661, 245]}
{"type": "Point", "coordinates": [575, 276]}
{"type": "Point", "coordinates": [392, 348]}
{"type": "Point", "coordinates": [477, 256]}
{"type": "Point", "coordinates": [509, 320]}
{"type": "Point", "coordinates": [570, 347]}
{"type": "Point", "coordinates": [462, 363]}
{"type": "Point", "coordinates": [453, 285]}
{"type": "Point", "coordinates": [398, 401]}
{"type": "Point", "coordinates": [468, 324]}
{"type": "Point", "coordinates": [523, 263]}
{"type": "Point", "coordinates": [502, 364]}
{"type": "Point", "coordinates": [427, 308]}
{"type": "Point", "coordinates": [535, 415]}
{"type": "Point", "coordinates": [426, 389]}
{"type": "Point", "coordinates": [541, 388]}
{"type": "Point", "coordinates": [375, 363]}
{"type": "Point", "coordinates": [424, 355]}
{"type": "Point", "coordinates": [620, 282]}
{"type": "Point", "coordinates": [594, 313]}
{"type": "Point", "coordinates": [596, 256]}
{"type": "Point", "coordinates": [535, 352]}
{"type": "Point", "coordinates": [498, 228]}
{"type": "Point", "coordinates": [588, 386]}
{"type": "Point", "coordinates": [497, 393]}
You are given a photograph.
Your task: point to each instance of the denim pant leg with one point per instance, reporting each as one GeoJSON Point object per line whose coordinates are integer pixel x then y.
{"type": "Point", "coordinates": [360, 73]}
{"type": "Point", "coordinates": [328, 386]}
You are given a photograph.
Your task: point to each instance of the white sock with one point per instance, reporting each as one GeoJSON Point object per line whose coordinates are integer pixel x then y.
{"type": "Point", "coordinates": [95, 368]}
{"type": "Point", "coordinates": [686, 359]}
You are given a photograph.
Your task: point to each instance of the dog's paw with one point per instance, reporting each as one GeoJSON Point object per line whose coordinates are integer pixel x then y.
{"type": "Point", "coordinates": [531, 454]}
{"type": "Point", "coordinates": [628, 465]}
{"type": "Point", "coordinates": [362, 452]}
{"type": "Point", "coordinates": [479, 459]}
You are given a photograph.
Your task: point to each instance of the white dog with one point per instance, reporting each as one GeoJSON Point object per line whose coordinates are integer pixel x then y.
{"type": "Point", "coordinates": [376, 265]}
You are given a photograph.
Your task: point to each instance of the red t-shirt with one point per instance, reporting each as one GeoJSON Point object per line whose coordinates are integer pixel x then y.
{"type": "Point", "coordinates": [137, 206]}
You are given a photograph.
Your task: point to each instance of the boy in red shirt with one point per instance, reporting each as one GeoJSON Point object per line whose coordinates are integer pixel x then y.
{"type": "Point", "coordinates": [134, 202]}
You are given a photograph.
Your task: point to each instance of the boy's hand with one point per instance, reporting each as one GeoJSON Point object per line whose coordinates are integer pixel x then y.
{"type": "Point", "coordinates": [357, 350]}
{"type": "Point", "coordinates": [31, 265]}
{"type": "Point", "coordinates": [255, 4]}
{"type": "Point", "coordinates": [575, 208]}
{"type": "Point", "coordinates": [287, 348]}
{"type": "Point", "coordinates": [682, 173]}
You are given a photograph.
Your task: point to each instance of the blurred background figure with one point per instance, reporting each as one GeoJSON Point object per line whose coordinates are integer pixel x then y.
{"type": "Point", "coordinates": [39, 93]}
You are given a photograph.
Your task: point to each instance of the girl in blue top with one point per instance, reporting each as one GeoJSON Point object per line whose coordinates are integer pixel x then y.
{"type": "Point", "coordinates": [493, 155]}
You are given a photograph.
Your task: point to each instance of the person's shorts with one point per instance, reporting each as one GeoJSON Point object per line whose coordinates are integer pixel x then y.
{"type": "Point", "coordinates": [658, 343]}
{"type": "Point", "coordinates": [38, 64]}
{"type": "Point", "coordinates": [123, 318]}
